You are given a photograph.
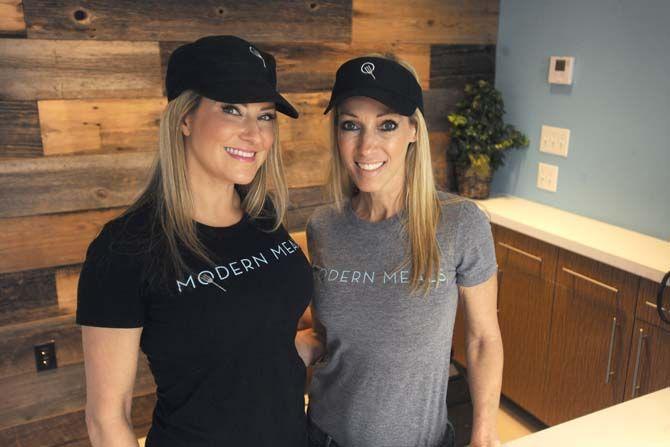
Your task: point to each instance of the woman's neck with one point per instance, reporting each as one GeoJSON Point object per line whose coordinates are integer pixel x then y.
{"type": "Point", "coordinates": [215, 204]}
{"type": "Point", "coordinates": [375, 207]}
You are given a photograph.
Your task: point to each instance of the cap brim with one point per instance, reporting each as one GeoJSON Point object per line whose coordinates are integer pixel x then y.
{"type": "Point", "coordinates": [241, 92]}
{"type": "Point", "coordinates": [392, 100]}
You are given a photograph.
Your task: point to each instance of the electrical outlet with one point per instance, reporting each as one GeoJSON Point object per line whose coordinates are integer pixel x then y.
{"type": "Point", "coordinates": [554, 140]}
{"type": "Point", "coordinates": [45, 356]}
{"type": "Point", "coordinates": [547, 177]}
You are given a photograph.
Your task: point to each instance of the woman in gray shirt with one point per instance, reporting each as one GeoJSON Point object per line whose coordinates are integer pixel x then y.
{"type": "Point", "coordinates": [389, 258]}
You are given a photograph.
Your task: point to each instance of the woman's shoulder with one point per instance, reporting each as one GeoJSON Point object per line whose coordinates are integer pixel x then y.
{"type": "Point", "coordinates": [126, 235]}
{"type": "Point", "coordinates": [459, 211]}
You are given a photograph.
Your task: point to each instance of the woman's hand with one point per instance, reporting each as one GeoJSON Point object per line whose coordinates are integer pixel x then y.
{"type": "Point", "coordinates": [309, 346]}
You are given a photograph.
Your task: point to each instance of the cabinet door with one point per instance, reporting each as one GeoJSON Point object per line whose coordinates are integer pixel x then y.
{"type": "Point", "coordinates": [525, 295]}
{"type": "Point", "coordinates": [649, 366]}
{"type": "Point", "coordinates": [591, 329]}
{"type": "Point", "coordinates": [646, 303]}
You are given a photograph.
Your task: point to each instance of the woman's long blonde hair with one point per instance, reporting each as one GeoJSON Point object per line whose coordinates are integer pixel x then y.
{"type": "Point", "coordinates": [420, 202]}
{"type": "Point", "coordinates": [169, 197]}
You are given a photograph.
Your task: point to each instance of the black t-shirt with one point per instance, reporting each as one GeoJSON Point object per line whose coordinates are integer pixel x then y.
{"type": "Point", "coordinates": [220, 341]}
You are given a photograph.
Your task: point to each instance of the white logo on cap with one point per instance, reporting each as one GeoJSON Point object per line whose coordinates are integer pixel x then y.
{"type": "Point", "coordinates": [256, 53]}
{"type": "Point", "coordinates": [368, 68]}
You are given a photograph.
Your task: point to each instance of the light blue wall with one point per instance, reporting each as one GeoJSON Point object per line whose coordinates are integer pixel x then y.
{"type": "Point", "coordinates": [618, 108]}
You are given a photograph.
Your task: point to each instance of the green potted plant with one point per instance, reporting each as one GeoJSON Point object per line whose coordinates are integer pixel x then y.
{"type": "Point", "coordinates": [479, 138]}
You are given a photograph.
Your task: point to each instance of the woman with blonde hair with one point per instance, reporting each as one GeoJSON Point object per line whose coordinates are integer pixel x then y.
{"type": "Point", "coordinates": [200, 273]}
{"type": "Point", "coordinates": [390, 257]}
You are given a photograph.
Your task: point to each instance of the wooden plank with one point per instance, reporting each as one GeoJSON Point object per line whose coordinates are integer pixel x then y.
{"type": "Point", "coordinates": [18, 340]}
{"type": "Point", "coordinates": [311, 67]}
{"type": "Point", "coordinates": [67, 279]}
{"type": "Point", "coordinates": [71, 183]}
{"type": "Point", "coordinates": [69, 429]}
{"type": "Point", "coordinates": [19, 129]}
{"type": "Point", "coordinates": [452, 66]}
{"type": "Point", "coordinates": [442, 170]}
{"type": "Point", "coordinates": [310, 196]}
{"type": "Point", "coordinates": [438, 103]}
{"type": "Point", "coordinates": [27, 295]}
{"type": "Point", "coordinates": [11, 18]}
{"type": "Point", "coordinates": [427, 21]}
{"type": "Point", "coordinates": [32, 396]}
{"type": "Point", "coordinates": [70, 126]}
{"type": "Point", "coordinates": [305, 142]}
{"type": "Point", "coordinates": [45, 69]}
{"type": "Point", "coordinates": [35, 242]}
{"type": "Point", "coordinates": [256, 20]}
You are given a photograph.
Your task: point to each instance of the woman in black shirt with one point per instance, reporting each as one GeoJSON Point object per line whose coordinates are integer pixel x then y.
{"type": "Point", "coordinates": [199, 272]}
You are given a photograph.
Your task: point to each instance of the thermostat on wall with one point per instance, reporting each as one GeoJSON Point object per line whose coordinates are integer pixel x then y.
{"type": "Point", "coordinates": [560, 69]}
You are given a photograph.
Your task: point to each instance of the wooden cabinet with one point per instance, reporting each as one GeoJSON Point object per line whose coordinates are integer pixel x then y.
{"type": "Point", "coordinates": [578, 335]}
{"type": "Point", "coordinates": [525, 297]}
{"type": "Point", "coordinates": [649, 364]}
{"type": "Point", "coordinates": [591, 328]}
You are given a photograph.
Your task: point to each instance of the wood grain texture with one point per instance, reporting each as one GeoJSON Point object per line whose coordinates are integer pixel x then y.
{"type": "Point", "coordinates": [62, 390]}
{"type": "Point", "coordinates": [69, 429]}
{"type": "Point", "coordinates": [70, 126]}
{"type": "Point", "coordinates": [646, 302]}
{"type": "Point", "coordinates": [651, 356]}
{"type": "Point", "coordinates": [71, 183]}
{"type": "Point", "coordinates": [35, 242]}
{"type": "Point", "coordinates": [525, 299]}
{"type": "Point", "coordinates": [67, 279]}
{"type": "Point", "coordinates": [437, 104]}
{"type": "Point", "coordinates": [305, 143]}
{"type": "Point", "coordinates": [11, 18]}
{"type": "Point", "coordinates": [17, 342]}
{"type": "Point", "coordinates": [255, 20]}
{"type": "Point", "coordinates": [27, 295]}
{"type": "Point", "coordinates": [427, 21]}
{"type": "Point", "coordinates": [311, 67]}
{"type": "Point", "coordinates": [442, 171]}
{"type": "Point", "coordinates": [45, 69]}
{"type": "Point", "coordinates": [19, 129]}
{"type": "Point", "coordinates": [452, 66]}
{"type": "Point", "coordinates": [580, 339]}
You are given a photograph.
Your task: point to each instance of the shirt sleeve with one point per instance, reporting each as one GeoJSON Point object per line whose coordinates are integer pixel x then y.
{"type": "Point", "coordinates": [475, 245]}
{"type": "Point", "coordinates": [109, 290]}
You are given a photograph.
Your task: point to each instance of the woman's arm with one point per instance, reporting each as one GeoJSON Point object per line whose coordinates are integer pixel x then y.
{"type": "Point", "coordinates": [110, 360]}
{"type": "Point", "coordinates": [484, 355]}
{"type": "Point", "coordinates": [310, 338]}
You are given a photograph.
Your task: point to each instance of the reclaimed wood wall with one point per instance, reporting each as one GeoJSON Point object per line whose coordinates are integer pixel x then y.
{"type": "Point", "coordinates": [81, 90]}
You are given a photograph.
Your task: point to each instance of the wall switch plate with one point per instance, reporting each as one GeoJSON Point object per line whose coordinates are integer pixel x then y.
{"type": "Point", "coordinates": [45, 356]}
{"type": "Point", "coordinates": [555, 140]}
{"type": "Point", "coordinates": [547, 177]}
{"type": "Point", "coordinates": [560, 69]}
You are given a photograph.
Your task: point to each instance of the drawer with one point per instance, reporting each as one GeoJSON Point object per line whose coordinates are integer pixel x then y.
{"type": "Point", "coordinates": [516, 251]}
{"type": "Point", "coordinates": [600, 282]}
{"type": "Point", "coordinates": [646, 303]}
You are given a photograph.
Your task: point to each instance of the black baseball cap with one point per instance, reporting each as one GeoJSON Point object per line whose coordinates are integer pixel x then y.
{"type": "Point", "coordinates": [226, 69]}
{"type": "Point", "coordinates": [378, 78]}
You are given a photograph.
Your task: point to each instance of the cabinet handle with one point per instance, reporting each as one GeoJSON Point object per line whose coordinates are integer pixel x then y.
{"type": "Point", "coordinates": [636, 386]}
{"type": "Point", "coordinates": [609, 372]}
{"type": "Point", "coordinates": [591, 280]}
{"type": "Point", "coordinates": [518, 250]}
{"type": "Point", "coordinates": [653, 305]}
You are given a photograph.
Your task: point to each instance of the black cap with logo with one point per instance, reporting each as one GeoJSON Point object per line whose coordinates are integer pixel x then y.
{"type": "Point", "coordinates": [378, 78]}
{"type": "Point", "coordinates": [226, 69]}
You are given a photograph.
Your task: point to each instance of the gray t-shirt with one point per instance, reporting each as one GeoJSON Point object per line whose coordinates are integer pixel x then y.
{"type": "Point", "coordinates": [384, 380]}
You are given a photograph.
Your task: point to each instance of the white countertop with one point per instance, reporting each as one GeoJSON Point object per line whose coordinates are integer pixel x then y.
{"type": "Point", "coordinates": [640, 422]}
{"type": "Point", "coordinates": [627, 250]}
